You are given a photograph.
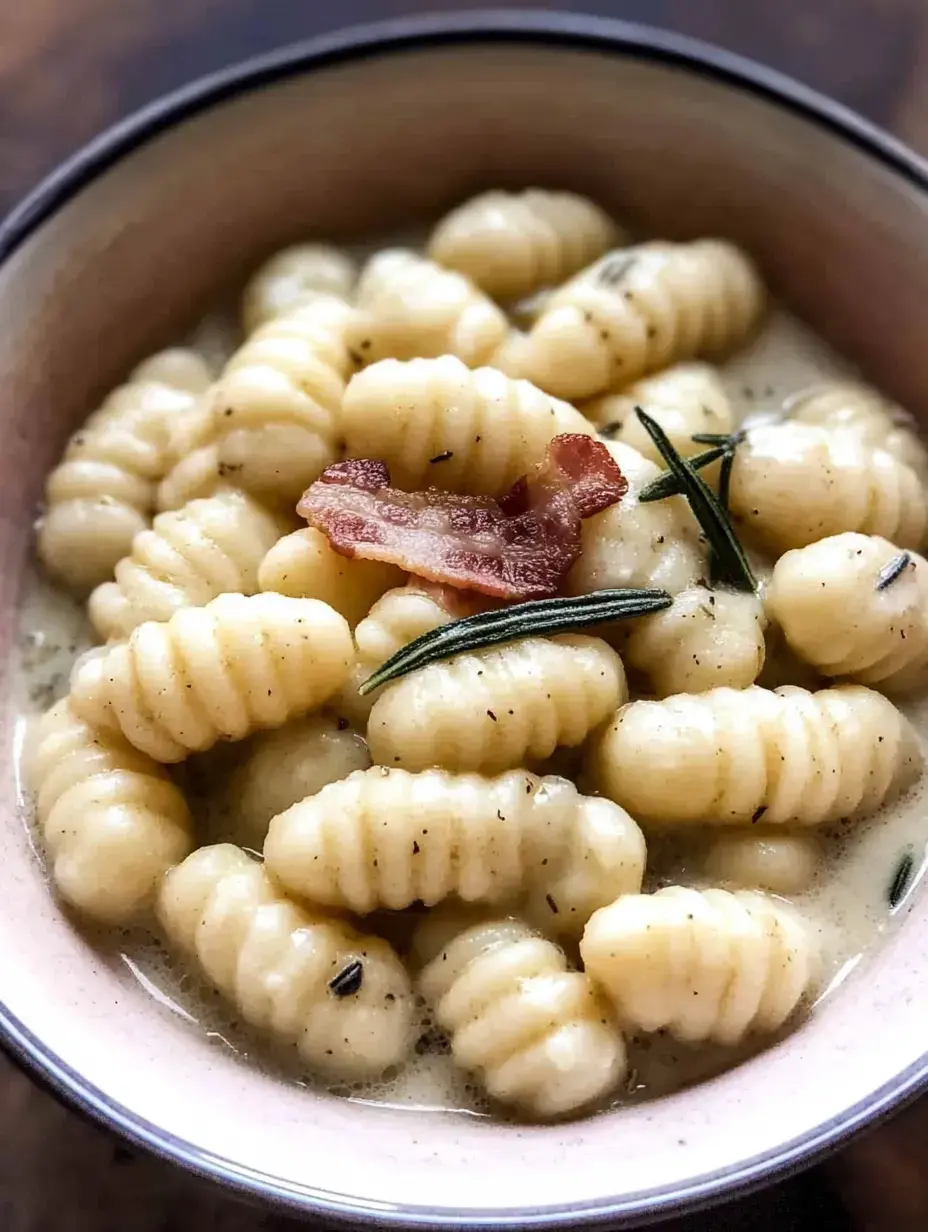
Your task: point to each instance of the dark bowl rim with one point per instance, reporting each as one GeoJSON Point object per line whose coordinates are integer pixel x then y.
{"type": "Point", "coordinates": [353, 44]}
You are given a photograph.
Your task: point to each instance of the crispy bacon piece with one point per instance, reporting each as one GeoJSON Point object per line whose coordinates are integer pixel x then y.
{"type": "Point", "coordinates": [519, 547]}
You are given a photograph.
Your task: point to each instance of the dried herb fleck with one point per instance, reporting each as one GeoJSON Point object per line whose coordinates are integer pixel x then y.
{"type": "Point", "coordinates": [896, 567]}
{"type": "Point", "coordinates": [349, 980]}
{"type": "Point", "coordinates": [901, 880]}
{"type": "Point", "coordinates": [614, 268]}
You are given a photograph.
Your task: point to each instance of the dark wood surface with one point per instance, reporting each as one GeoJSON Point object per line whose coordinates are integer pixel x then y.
{"type": "Point", "coordinates": [70, 67]}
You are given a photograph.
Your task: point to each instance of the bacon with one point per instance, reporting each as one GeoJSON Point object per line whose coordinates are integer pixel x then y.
{"type": "Point", "coordinates": [519, 547]}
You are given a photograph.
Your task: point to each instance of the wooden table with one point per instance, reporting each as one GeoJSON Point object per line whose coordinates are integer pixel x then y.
{"type": "Point", "coordinates": [70, 67]}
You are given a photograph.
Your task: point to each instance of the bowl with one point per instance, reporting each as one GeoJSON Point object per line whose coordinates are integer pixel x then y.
{"type": "Point", "coordinates": [122, 249]}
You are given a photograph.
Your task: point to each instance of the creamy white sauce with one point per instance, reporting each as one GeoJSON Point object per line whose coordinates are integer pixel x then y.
{"type": "Point", "coordinates": [847, 902]}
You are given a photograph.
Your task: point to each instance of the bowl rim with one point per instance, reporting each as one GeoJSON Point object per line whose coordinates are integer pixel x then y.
{"type": "Point", "coordinates": [353, 44]}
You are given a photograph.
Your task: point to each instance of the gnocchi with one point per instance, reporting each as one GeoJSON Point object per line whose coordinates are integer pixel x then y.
{"type": "Point", "coordinates": [387, 838]}
{"type": "Point", "coordinates": [304, 565]}
{"type": "Point", "coordinates": [216, 672]}
{"type": "Point", "coordinates": [707, 639]}
{"type": "Point", "coordinates": [112, 821]}
{"type": "Point", "coordinates": [795, 483]}
{"type": "Point", "coordinates": [435, 422]}
{"type": "Point", "coordinates": [703, 965]}
{"type": "Point", "coordinates": [636, 311]}
{"type": "Point", "coordinates": [539, 1035]}
{"type": "Point", "coordinates": [284, 968]}
{"type": "Point", "coordinates": [524, 699]}
{"type": "Point", "coordinates": [728, 757]}
{"type": "Point", "coordinates": [102, 493]}
{"type": "Point", "coordinates": [285, 765]}
{"type": "Point", "coordinates": [686, 400]}
{"type": "Point", "coordinates": [512, 244]}
{"type": "Point", "coordinates": [635, 543]}
{"type": "Point", "coordinates": [188, 557]}
{"type": "Point", "coordinates": [855, 606]}
{"type": "Point", "coordinates": [856, 409]}
{"type": "Point", "coordinates": [293, 277]}
{"type": "Point", "coordinates": [760, 859]}
{"type": "Point", "coordinates": [409, 307]}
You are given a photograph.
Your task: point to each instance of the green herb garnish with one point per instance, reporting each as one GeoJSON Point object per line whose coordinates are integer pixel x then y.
{"type": "Point", "coordinates": [901, 880]}
{"type": "Point", "coordinates": [729, 563]}
{"type": "Point", "coordinates": [723, 446]}
{"type": "Point", "coordinates": [518, 620]}
{"type": "Point", "coordinates": [725, 480]}
{"type": "Point", "coordinates": [895, 568]}
{"type": "Point", "coordinates": [666, 484]}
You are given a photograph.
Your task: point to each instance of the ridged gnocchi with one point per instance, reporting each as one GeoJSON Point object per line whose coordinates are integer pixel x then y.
{"type": "Point", "coordinates": [520, 701]}
{"type": "Point", "coordinates": [397, 618]}
{"type": "Point", "coordinates": [511, 244]}
{"type": "Point", "coordinates": [685, 399]}
{"type": "Point", "coordinates": [795, 483]}
{"type": "Point", "coordinates": [102, 493]}
{"type": "Point", "coordinates": [223, 671]}
{"type": "Point", "coordinates": [436, 422]}
{"type": "Point", "coordinates": [387, 838]}
{"type": "Point", "coordinates": [763, 859]}
{"type": "Point", "coordinates": [540, 1037]}
{"type": "Point", "coordinates": [409, 307]}
{"type": "Point", "coordinates": [188, 557]}
{"type": "Point", "coordinates": [285, 765]}
{"type": "Point", "coordinates": [701, 964]}
{"type": "Point", "coordinates": [293, 277]}
{"type": "Point", "coordinates": [728, 757]}
{"type": "Point", "coordinates": [304, 565]}
{"type": "Point", "coordinates": [272, 423]}
{"type": "Point", "coordinates": [111, 819]}
{"type": "Point", "coordinates": [283, 967]}
{"type": "Point", "coordinates": [276, 406]}
{"type": "Point", "coordinates": [841, 610]}
{"type": "Point", "coordinates": [854, 408]}
{"type": "Point", "coordinates": [635, 544]}
{"type": "Point", "coordinates": [707, 639]}
{"type": "Point", "coordinates": [635, 311]}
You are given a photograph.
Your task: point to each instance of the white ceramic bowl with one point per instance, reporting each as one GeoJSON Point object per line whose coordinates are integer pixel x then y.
{"type": "Point", "coordinates": [123, 248]}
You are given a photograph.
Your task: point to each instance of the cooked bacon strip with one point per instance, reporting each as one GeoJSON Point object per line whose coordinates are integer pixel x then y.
{"type": "Point", "coordinates": [519, 547]}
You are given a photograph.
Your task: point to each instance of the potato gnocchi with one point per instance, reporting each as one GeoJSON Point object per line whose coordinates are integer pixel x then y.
{"type": "Point", "coordinates": [102, 493]}
{"type": "Point", "coordinates": [387, 838]}
{"type": "Point", "coordinates": [280, 966]}
{"type": "Point", "coordinates": [732, 756]}
{"type": "Point", "coordinates": [539, 1035]}
{"type": "Point", "coordinates": [750, 961]}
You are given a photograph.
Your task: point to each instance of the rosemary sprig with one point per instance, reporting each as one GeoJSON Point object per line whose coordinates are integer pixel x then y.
{"type": "Point", "coordinates": [507, 624]}
{"type": "Point", "coordinates": [729, 563]}
{"type": "Point", "coordinates": [723, 446]}
{"type": "Point", "coordinates": [892, 570]}
{"type": "Point", "coordinates": [725, 480]}
{"type": "Point", "coordinates": [666, 484]}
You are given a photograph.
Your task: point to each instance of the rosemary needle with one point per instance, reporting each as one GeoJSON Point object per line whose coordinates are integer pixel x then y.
{"type": "Point", "coordinates": [729, 563]}
{"type": "Point", "coordinates": [518, 620]}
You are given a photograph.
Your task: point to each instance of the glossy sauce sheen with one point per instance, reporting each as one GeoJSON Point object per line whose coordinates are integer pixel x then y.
{"type": "Point", "coordinates": [847, 902]}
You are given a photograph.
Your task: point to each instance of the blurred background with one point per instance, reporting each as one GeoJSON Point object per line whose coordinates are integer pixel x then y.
{"type": "Point", "coordinates": [68, 68]}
